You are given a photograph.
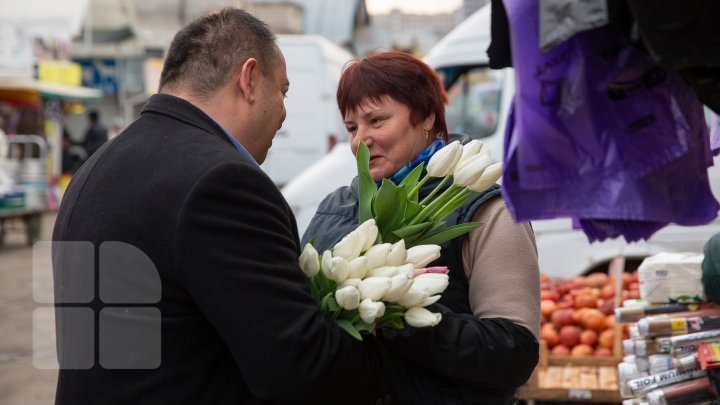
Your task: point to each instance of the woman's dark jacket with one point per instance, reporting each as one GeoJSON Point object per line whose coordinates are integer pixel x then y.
{"type": "Point", "coordinates": [475, 360]}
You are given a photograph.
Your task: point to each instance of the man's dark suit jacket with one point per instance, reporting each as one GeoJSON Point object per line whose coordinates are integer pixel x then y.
{"type": "Point", "coordinates": [238, 325]}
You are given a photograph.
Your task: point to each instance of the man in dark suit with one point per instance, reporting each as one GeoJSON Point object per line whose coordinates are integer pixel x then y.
{"type": "Point", "coordinates": [175, 257]}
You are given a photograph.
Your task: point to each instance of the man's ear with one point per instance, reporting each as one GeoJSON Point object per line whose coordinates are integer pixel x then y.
{"type": "Point", "coordinates": [248, 79]}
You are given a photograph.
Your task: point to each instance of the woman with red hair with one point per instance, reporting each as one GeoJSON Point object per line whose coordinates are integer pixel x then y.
{"type": "Point", "coordinates": [487, 343]}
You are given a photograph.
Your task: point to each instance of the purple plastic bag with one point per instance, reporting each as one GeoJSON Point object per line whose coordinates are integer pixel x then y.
{"type": "Point", "coordinates": [590, 106]}
{"type": "Point", "coordinates": [600, 134]}
{"type": "Point", "coordinates": [620, 204]}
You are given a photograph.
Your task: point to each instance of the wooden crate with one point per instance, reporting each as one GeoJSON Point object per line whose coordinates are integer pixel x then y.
{"type": "Point", "coordinates": [575, 379]}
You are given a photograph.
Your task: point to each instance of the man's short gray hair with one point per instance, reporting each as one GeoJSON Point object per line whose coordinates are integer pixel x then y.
{"type": "Point", "coordinates": [204, 54]}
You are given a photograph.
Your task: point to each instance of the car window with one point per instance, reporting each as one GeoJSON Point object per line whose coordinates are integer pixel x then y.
{"type": "Point", "coordinates": [474, 102]}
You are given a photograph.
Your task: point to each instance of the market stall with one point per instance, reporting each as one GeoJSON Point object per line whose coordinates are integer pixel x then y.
{"type": "Point", "coordinates": [581, 344]}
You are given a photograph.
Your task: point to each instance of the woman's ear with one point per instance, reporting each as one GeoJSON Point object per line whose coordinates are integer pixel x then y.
{"type": "Point", "coordinates": [429, 123]}
{"type": "Point", "coordinates": [247, 79]}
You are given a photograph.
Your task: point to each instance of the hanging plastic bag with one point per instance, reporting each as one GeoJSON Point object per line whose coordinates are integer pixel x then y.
{"type": "Point", "coordinates": [591, 105]}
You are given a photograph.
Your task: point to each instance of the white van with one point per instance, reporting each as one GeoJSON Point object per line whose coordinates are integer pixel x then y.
{"type": "Point", "coordinates": [313, 124]}
{"type": "Point", "coordinates": [479, 99]}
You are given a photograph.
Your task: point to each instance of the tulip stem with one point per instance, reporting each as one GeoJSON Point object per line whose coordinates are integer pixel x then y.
{"type": "Point", "coordinates": [415, 189]}
{"type": "Point", "coordinates": [464, 192]}
{"type": "Point", "coordinates": [433, 205]}
{"type": "Point", "coordinates": [439, 186]}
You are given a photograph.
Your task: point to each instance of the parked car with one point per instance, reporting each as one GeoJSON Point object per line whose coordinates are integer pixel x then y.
{"type": "Point", "coordinates": [479, 99]}
{"type": "Point", "coordinates": [313, 124]}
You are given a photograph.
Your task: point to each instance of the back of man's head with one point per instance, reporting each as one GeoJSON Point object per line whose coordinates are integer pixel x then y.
{"type": "Point", "coordinates": [203, 54]}
{"type": "Point", "coordinates": [93, 115]}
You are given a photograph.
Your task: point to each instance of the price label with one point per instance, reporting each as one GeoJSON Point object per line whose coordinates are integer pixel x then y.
{"type": "Point", "coordinates": [579, 394]}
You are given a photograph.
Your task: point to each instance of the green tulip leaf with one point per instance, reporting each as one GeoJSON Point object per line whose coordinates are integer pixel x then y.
{"type": "Point", "coordinates": [436, 224]}
{"type": "Point", "coordinates": [411, 180]}
{"type": "Point", "coordinates": [409, 231]}
{"type": "Point", "coordinates": [349, 315]}
{"type": "Point", "coordinates": [366, 185]}
{"type": "Point", "coordinates": [363, 326]}
{"type": "Point", "coordinates": [450, 207]}
{"type": "Point", "coordinates": [348, 327]}
{"type": "Point", "coordinates": [389, 207]}
{"type": "Point", "coordinates": [412, 209]}
{"type": "Point", "coordinates": [448, 233]}
{"type": "Point", "coordinates": [332, 304]}
{"type": "Point", "coordinates": [396, 323]}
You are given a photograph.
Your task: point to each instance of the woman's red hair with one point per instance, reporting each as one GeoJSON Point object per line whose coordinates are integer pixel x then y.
{"type": "Point", "coordinates": [400, 76]}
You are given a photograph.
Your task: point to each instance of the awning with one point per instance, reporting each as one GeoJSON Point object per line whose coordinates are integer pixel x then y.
{"type": "Point", "coordinates": [51, 90]}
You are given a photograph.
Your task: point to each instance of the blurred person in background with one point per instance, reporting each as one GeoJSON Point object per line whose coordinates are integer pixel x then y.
{"type": "Point", "coordinates": [486, 345]}
{"type": "Point", "coordinates": [95, 135]}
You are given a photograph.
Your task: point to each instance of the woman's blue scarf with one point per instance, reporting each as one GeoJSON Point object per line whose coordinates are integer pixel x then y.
{"type": "Point", "coordinates": [423, 157]}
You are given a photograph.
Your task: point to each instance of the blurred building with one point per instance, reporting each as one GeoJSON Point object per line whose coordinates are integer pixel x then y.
{"type": "Point", "coordinates": [340, 21]}
{"type": "Point", "coordinates": [159, 20]}
{"type": "Point", "coordinates": [414, 33]}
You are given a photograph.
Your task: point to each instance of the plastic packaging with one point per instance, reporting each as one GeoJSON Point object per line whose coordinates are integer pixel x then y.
{"type": "Point", "coordinates": [634, 313]}
{"type": "Point", "coordinates": [687, 392]}
{"type": "Point", "coordinates": [642, 385]}
{"type": "Point", "coordinates": [669, 275]}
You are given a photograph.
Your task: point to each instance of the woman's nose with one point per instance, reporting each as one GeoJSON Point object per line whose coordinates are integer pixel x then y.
{"type": "Point", "coordinates": [364, 134]}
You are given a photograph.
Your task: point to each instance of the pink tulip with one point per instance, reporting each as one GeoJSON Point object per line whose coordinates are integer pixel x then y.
{"type": "Point", "coordinates": [435, 269]}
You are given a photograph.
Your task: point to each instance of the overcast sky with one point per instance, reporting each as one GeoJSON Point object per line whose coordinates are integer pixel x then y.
{"type": "Point", "coordinates": [412, 6]}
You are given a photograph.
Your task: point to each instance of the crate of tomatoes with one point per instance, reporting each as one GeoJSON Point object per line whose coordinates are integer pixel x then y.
{"type": "Point", "coordinates": [581, 344]}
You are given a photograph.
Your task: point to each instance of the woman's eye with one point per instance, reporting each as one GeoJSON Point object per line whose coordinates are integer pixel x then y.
{"type": "Point", "coordinates": [351, 129]}
{"type": "Point", "coordinates": [375, 121]}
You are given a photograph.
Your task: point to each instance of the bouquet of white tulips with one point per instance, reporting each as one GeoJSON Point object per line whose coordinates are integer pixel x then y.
{"type": "Point", "coordinates": [376, 276]}
{"type": "Point", "coordinates": [396, 209]}
{"type": "Point", "coordinates": [365, 286]}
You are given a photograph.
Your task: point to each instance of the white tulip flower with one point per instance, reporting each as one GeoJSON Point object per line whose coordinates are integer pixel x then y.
{"type": "Point", "coordinates": [354, 282]}
{"type": "Point", "coordinates": [420, 317]}
{"type": "Point", "coordinates": [309, 261]}
{"type": "Point", "coordinates": [397, 254]}
{"type": "Point", "coordinates": [349, 247]}
{"type": "Point", "coordinates": [384, 271]}
{"type": "Point", "coordinates": [407, 270]}
{"type": "Point", "coordinates": [358, 267]}
{"type": "Point", "coordinates": [413, 298]}
{"type": "Point", "coordinates": [340, 270]}
{"type": "Point", "coordinates": [472, 170]}
{"type": "Point", "coordinates": [371, 310]}
{"type": "Point", "coordinates": [368, 232]}
{"type": "Point", "coordinates": [432, 283]}
{"type": "Point", "coordinates": [374, 288]}
{"type": "Point", "coordinates": [327, 264]}
{"type": "Point", "coordinates": [429, 301]}
{"type": "Point", "coordinates": [489, 177]}
{"type": "Point", "coordinates": [422, 255]}
{"type": "Point", "coordinates": [348, 297]}
{"type": "Point", "coordinates": [399, 286]}
{"type": "Point", "coordinates": [377, 255]}
{"type": "Point", "coordinates": [469, 150]}
{"type": "Point", "coordinates": [443, 161]}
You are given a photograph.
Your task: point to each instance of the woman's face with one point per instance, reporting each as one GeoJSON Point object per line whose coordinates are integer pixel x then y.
{"type": "Point", "coordinates": [386, 129]}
